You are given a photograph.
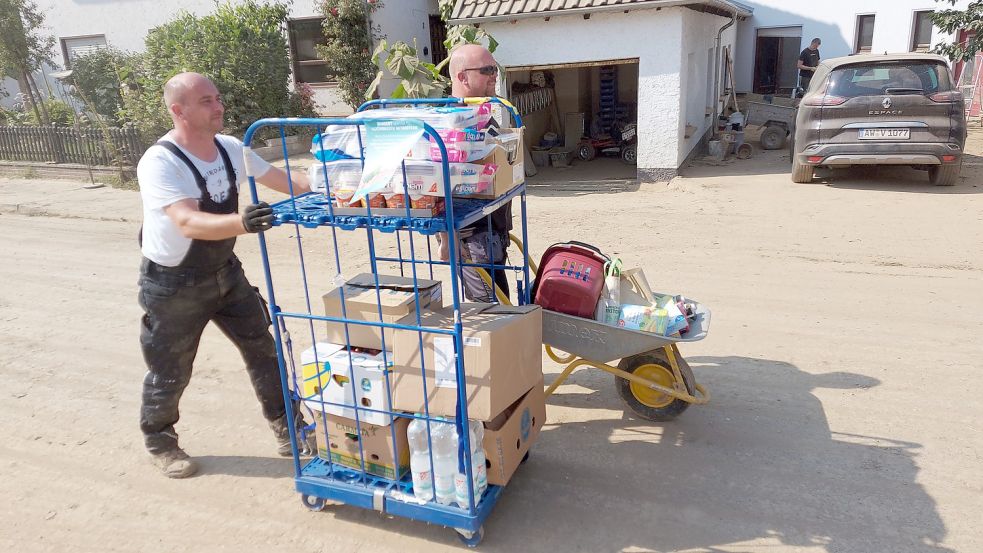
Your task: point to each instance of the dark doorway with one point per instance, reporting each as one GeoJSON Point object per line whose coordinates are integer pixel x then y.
{"type": "Point", "coordinates": [775, 55]}
{"type": "Point", "coordinates": [438, 33]}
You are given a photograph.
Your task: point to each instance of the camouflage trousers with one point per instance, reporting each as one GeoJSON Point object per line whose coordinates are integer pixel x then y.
{"type": "Point", "coordinates": [177, 305]}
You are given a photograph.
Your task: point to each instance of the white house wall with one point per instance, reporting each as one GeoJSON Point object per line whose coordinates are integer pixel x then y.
{"type": "Point", "coordinates": [835, 22]}
{"type": "Point", "coordinates": [654, 37]}
{"type": "Point", "coordinates": [697, 57]}
{"type": "Point", "coordinates": [405, 21]}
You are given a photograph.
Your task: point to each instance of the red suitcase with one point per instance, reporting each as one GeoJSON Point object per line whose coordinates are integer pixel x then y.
{"type": "Point", "coordinates": [570, 279]}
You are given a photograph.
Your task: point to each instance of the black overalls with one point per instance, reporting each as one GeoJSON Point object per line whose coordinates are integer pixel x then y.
{"type": "Point", "coordinates": [208, 285]}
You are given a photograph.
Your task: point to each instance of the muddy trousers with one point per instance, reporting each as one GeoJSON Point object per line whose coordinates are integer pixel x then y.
{"type": "Point", "coordinates": [177, 305]}
{"type": "Point", "coordinates": [486, 248]}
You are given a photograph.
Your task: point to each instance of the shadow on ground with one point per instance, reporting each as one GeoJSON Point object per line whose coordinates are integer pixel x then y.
{"type": "Point", "coordinates": [903, 179]}
{"type": "Point", "coordinates": [626, 484]}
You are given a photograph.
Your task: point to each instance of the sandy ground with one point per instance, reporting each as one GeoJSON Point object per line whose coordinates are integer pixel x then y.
{"type": "Point", "coordinates": [842, 361]}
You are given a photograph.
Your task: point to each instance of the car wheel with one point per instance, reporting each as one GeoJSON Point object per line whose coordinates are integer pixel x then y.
{"type": "Point", "coordinates": [801, 173]}
{"type": "Point", "coordinates": [944, 175]}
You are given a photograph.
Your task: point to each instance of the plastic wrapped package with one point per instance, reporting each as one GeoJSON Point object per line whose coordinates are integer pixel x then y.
{"type": "Point", "coordinates": [427, 177]}
{"type": "Point", "coordinates": [342, 174]}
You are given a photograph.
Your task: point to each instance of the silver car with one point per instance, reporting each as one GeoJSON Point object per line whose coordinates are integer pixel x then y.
{"type": "Point", "coordinates": [897, 109]}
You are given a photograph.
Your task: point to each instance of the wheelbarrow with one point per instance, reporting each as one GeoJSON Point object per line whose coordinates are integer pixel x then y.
{"type": "Point", "coordinates": [652, 377]}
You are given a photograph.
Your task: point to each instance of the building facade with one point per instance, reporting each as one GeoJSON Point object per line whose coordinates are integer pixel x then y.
{"type": "Point", "coordinates": [80, 26]}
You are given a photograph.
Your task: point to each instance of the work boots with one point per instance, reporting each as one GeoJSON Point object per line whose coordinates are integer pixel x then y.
{"type": "Point", "coordinates": [175, 463]}
{"type": "Point", "coordinates": [306, 447]}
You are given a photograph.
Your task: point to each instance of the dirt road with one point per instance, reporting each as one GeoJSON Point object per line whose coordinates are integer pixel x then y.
{"type": "Point", "coordinates": [843, 360]}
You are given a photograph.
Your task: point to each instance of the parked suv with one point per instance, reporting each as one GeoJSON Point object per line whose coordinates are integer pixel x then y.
{"type": "Point", "coordinates": [898, 109]}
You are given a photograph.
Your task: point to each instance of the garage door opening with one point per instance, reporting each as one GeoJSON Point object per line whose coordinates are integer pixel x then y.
{"type": "Point", "coordinates": [776, 55]}
{"type": "Point", "coordinates": [579, 119]}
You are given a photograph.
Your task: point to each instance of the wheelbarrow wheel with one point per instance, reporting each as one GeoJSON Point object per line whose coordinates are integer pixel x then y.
{"type": "Point", "coordinates": [645, 402]}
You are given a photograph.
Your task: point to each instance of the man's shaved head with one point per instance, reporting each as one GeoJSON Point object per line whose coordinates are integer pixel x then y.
{"type": "Point", "coordinates": [193, 102]}
{"type": "Point", "coordinates": [465, 79]}
{"type": "Point", "coordinates": [177, 87]}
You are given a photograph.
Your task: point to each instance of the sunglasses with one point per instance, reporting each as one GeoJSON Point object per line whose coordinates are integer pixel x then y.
{"type": "Point", "coordinates": [487, 70]}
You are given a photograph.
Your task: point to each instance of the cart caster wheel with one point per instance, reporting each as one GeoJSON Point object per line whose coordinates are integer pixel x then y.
{"type": "Point", "coordinates": [524, 458]}
{"type": "Point", "coordinates": [313, 503]}
{"type": "Point", "coordinates": [471, 539]}
{"type": "Point", "coordinates": [646, 402]}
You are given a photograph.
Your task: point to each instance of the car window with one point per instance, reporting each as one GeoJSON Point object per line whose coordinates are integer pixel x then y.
{"type": "Point", "coordinates": [889, 78]}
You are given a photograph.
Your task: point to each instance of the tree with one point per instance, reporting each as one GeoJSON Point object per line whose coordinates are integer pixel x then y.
{"type": "Point", "coordinates": [419, 79]}
{"type": "Point", "coordinates": [241, 47]}
{"type": "Point", "coordinates": [347, 49]}
{"type": "Point", "coordinates": [951, 21]}
{"type": "Point", "coordinates": [24, 48]}
{"type": "Point", "coordinates": [98, 82]}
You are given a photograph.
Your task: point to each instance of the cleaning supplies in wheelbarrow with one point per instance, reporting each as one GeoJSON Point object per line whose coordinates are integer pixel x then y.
{"type": "Point", "coordinates": [609, 305]}
{"type": "Point", "coordinates": [661, 317]}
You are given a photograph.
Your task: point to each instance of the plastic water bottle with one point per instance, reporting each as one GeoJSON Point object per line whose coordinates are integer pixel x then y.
{"type": "Point", "coordinates": [479, 473]}
{"type": "Point", "coordinates": [444, 439]}
{"type": "Point", "coordinates": [416, 435]}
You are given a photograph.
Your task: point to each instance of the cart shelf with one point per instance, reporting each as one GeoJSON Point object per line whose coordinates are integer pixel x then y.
{"type": "Point", "coordinates": [311, 210]}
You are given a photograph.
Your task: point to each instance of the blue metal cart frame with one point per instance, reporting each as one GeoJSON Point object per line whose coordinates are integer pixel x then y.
{"type": "Point", "coordinates": [321, 480]}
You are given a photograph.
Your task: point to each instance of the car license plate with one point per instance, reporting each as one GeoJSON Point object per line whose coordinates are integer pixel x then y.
{"type": "Point", "coordinates": [885, 134]}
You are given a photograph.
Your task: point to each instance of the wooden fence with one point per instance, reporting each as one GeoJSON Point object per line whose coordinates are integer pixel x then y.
{"type": "Point", "coordinates": [70, 145]}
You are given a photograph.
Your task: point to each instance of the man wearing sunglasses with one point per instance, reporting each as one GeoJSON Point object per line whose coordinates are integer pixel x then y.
{"type": "Point", "coordinates": [474, 73]}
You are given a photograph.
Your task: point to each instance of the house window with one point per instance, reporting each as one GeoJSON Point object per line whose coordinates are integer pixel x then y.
{"type": "Point", "coordinates": [74, 47]}
{"type": "Point", "coordinates": [865, 34]}
{"type": "Point", "coordinates": [305, 34]}
{"type": "Point", "coordinates": [921, 32]}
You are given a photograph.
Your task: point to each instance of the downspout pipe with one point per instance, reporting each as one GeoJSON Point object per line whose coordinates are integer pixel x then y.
{"type": "Point", "coordinates": [716, 75]}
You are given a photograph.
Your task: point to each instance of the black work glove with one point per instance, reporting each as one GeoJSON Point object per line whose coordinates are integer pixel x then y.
{"type": "Point", "coordinates": [257, 217]}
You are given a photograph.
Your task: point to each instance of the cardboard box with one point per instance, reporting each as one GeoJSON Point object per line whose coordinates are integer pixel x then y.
{"type": "Point", "coordinates": [357, 374]}
{"type": "Point", "coordinates": [509, 436]}
{"type": "Point", "coordinates": [397, 299]}
{"type": "Point", "coordinates": [508, 156]}
{"type": "Point", "coordinates": [315, 374]}
{"type": "Point", "coordinates": [339, 443]}
{"type": "Point", "coordinates": [502, 360]}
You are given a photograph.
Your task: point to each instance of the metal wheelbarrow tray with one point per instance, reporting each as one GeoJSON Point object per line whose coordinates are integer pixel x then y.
{"type": "Point", "coordinates": [652, 377]}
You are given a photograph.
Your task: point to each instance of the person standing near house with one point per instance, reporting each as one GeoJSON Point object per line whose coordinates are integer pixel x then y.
{"type": "Point", "coordinates": [189, 184]}
{"type": "Point", "coordinates": [808, 62]}
{"type": "Point", "coordinates": [474, 73]}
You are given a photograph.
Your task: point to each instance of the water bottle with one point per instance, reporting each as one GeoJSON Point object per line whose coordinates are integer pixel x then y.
{"type": "Point", "coordinates": [479, 473]}
{"type": "Point", "coordinates": [416, 435]}
{"type": "Point", "coordinates": [444, 439]}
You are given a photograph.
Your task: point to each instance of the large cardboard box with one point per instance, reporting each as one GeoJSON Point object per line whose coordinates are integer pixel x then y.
{"type": "Point", "coordinates": [360, 375]}
{"type": "Point", "coordinates": [508, 156]}
{"type": "Point", "coordinates": [509, 436]}
{"type": "Point", "coordinates": [396, 297]}
{"type": "Point", "coordinates": [502, 360]}
{"type": "Point", "coordinates": [339, 443]}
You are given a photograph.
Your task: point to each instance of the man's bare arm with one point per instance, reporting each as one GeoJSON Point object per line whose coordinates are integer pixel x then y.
{"type": "Point", "coordinates": [198, 225]}
{"type": "Point", "coordinates": [276, 179]}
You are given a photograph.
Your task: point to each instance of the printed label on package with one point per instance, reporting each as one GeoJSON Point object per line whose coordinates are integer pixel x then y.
{"type": "Point", "coordinates": [386, 145]}
{"type": "Point", "coordinates": [445, 365]}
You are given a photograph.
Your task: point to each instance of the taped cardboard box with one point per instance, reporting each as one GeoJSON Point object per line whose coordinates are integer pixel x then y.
{"type": "Point", "coordinates": [396, 297]}
{"type": "Point", "coordinates": [509, 436]}
{"type": "Point", "coordinates": [338, 441]}
{"type": "Point", "coordinates": [502, 360]}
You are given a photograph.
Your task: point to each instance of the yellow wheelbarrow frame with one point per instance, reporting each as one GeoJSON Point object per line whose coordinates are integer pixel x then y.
{"type": "Point", "coordinates": [653, 378]}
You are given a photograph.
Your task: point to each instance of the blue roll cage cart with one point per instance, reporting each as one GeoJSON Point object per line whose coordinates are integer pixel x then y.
{"type": "Point", "coordinates": [319, 480]}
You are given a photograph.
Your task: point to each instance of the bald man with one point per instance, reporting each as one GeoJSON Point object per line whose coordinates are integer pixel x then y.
{"type": "Point", "coordinates": [474, 72]}
{"type": "Point", "coordinates": [189, 183]}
